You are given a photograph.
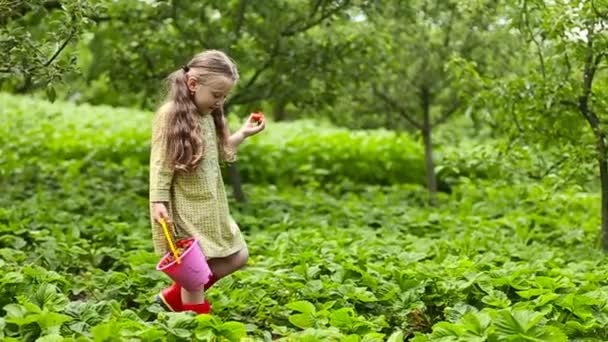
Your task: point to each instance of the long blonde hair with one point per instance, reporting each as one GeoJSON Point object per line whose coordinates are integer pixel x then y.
{"type": "Point", "coordinates": [184, 138]}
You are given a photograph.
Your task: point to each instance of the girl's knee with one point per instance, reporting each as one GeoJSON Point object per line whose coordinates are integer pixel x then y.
{"type": "Point", "coordinates": [241, 258]}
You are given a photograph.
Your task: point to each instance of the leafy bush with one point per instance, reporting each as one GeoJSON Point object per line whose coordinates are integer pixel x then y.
{"type": "Point", "coordinates": [496, 261]}
{"type": "Point", "coordinates": [285, 153]}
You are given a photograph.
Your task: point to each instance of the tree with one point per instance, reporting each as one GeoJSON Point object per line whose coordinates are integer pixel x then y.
{"type": "Point", "coordinates": [556, 98]}
{"type": "Point", "coordinates": [409, 75]}
{"type": "Point", "coordinates": [37, 39]}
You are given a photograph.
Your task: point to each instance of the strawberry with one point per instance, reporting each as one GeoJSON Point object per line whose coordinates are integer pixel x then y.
{"type": "Point", "coordinates": [257, 116]}
{"type": "Point", "coordinates": [181, 247]}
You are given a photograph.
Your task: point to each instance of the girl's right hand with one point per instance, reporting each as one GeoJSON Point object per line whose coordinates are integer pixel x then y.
{"type": "Point", "coordinates": [159, 211]}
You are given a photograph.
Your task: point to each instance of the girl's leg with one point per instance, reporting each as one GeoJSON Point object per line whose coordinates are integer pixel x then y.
{"type": "Point", "coordinates": [222, 267]}
{"type": "Point", "coordinates": [195, 297]}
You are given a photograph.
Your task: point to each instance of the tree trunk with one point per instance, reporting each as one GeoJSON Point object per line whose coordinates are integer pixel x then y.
{"type": "Point", "coordinates": [234, 175]}
{"type": "Point", "coordinates": [427, 129]}
{"type": "Point", "coordinates": [604, 182]}
{"type": "Point", "coordinates": [600, 138]}
{"type": "Point", "coordinates": [591, 64]}
{"type": "Point", "coordinates": [603, 165]}
{"type": "Point", "coordinates": [237, 184]}
{"type": "Point", "coordinates": [279, 112]}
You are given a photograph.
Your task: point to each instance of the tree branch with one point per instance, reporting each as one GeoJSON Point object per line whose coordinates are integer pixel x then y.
{"type": "Point", "coordinates": [517, 123]}
{"type": "Point", "coordinates": [397, 107]}
{"type": "Point", "coordinates": [65, 43]}
{"type": "Point", "coordinates": [567, 61]}
{"type": "Point", "coordinates": [598, 60]}
{"type": "Point", "coordinates": [554, 166]}
{"type": "Point", "coordinates": [548, 170]}
{"type": "Point", "coordinates": [588, 76]}
{"type": "Point", "coordinates": [240, 97]}
{"type": "Point", "coordinates": [539, 52]}
{"type": "Point", "coordinates": [569, 104]}
{"type": "Point", "coordinates": [313, 23]}
{"type": "Point", "coordinates": [451, 110]}
{"type": "Point", "coordinates": [240, 18]}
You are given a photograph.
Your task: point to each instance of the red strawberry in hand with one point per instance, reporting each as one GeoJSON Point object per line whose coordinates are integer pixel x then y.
{"type": "Point", "coordinates": [257, 116]}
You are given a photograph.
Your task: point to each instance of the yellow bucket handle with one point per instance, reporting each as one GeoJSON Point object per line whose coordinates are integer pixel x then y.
{"type": "Point", "coordinates": [168, 236]}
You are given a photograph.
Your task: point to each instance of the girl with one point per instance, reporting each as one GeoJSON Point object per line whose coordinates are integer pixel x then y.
{"type": "Point", "coordinates": [190, 138]}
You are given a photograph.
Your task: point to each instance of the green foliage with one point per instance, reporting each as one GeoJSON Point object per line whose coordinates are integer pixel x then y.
{"type": "Point", "coordinates": [316, 152]}
{"type": "Point", "coordinates": [553, 97]}
{"type": "Point", "coordinates": [408, 71]}
{"type": "Point", "coordinates": [540, 100]}
{"type": "Point", "coordinates": [37, 40]}
{"type": "Point", "coordinates": [497, 261]}
{"type": "Point", "coordinates": [311, 153]}
{"type": "Point", "coordinates": [149, 40]}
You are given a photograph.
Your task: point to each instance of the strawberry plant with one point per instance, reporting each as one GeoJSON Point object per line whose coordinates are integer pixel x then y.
{"type": "Point", "coordinates": [497, 260]}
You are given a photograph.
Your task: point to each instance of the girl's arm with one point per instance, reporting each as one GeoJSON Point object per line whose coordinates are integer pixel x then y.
{"type": "Point", "coordinates": [251, 127]}
{"type": "Point", "coordinates": [161, 172]}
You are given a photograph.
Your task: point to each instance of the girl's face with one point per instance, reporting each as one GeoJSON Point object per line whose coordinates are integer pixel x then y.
{"type": "Point", "coordinates": [211, 94]}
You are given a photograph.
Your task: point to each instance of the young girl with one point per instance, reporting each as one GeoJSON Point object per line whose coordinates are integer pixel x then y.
{"type": "Point", "coordinates": [190, 138]}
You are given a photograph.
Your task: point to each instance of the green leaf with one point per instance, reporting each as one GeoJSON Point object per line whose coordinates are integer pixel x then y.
{"type": "Point", "coordinates": [182, 320]}
{"type": "Point", "coordinates": [516, 322]}
{"type": "Point", "coordinates": [342, 318]}
{"type": "Point", "coordinates": [207, 321]}
{"type": "Point", "coordinates": [373, 337]}
{"type": "Point", "coordinates": [302, 320]}
{"type": "Point", "coordinates": [181, 332]}
{"type": "Point", "coordinates": [533, 293]}
{"type": "Point", "coordinates": [476, 323]}
{"type": "Point", "coordinates": [553, 334]}
{"type": "Point", "coordinates": [418, 337]}
{"type": "Point", "coordinates": [454, 313]}
{"type": "Point", "coordinates": [50, 92]}
{"type": "Point", "coordinates": [528, 319]}
{"type": "Point", "coordinates": [50, 338]}
{"type": "Point", "coordinates": [302, 306]}
{"type": "Point", "coordinates": [233, 331]}
{"type": "Point", "coordinates": [445, 329]}
{"type": "Point", "coordinates": [351, 338]}
{"type": "Point", "coordinates": [574, 327]}
{"type": "Point", "coordinates": [106, 332]}
{"type": "Point", "coordinates": [48, 297]}
{"type": "Point", "coordinates": [14, 310]}
{"type": "Point", "coordinates": [397, 336]}
{"type": "Point", "coordinates": [50, 322]}
{"type": "Point", "coordinates": [11, 278]}
{"type": "Point", "coordinates": [497, 299]}
{"type": "Point", "coordinates": [546, 298]}
{"type": "Point", "coordinates": [507, 325]}
{"type": "Point", "coordinates": [205, 334]}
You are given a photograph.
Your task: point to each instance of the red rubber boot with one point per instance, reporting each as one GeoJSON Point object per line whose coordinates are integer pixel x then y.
{"type": "Point", "coordinates": [171, 297]}
{"type": "Point", "coordinates": [201, 309]}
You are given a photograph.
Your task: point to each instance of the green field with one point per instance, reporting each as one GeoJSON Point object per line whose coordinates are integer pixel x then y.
{"type": "Point", "coordinates": [331, 260]}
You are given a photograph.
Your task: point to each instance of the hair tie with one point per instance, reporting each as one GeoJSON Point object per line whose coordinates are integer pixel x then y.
{"type": "Point", "coordinates": [186, 68]}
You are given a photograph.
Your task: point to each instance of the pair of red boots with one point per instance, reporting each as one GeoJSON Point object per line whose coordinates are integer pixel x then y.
{"type": "Point", "coordinates": [171, 299]}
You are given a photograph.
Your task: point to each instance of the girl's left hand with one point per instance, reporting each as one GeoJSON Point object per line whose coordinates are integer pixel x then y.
{"type": "Point", "coordinates": [252, 126]}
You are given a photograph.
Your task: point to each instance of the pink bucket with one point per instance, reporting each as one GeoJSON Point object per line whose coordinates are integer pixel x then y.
{"type": "Point", "coordinates": [193, 272]}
